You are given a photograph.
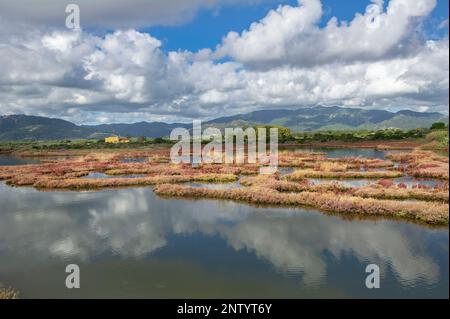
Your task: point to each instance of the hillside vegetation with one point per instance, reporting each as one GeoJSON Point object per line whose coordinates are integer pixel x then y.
{"type": "Point", "coordinates": [310, 119]}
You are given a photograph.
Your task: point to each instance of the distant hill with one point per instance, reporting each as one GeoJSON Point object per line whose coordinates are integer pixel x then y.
{"type": "Point", "coordinates": [334, 118]}
{"type": "Point", "coordinates": [24, 127]}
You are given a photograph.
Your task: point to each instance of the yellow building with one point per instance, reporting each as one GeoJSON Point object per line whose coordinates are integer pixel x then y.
{"type": "Point", "coordinates": [116, 139]}
{"type": "Point", "coordinates": [112, 139]}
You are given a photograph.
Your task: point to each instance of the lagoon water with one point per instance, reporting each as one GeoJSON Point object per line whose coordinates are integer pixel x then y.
{"type": "Point", "coordinates": [130, 243]}
{"type": "Point", "coordinates": [8, 160]}
{"type": "Point", "coordinates": [346, 152]}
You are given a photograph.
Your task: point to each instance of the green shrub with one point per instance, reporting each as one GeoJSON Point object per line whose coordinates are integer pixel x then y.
{"type": "Point", "coordinates": [438, 126]}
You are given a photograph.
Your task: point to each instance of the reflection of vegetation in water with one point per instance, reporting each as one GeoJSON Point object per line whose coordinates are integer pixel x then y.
{"type": "Point", "coordinates": [383, 199]}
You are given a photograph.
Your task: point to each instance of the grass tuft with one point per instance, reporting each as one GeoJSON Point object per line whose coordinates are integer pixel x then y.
{"type": "Point", "coordinates": [8, 293]}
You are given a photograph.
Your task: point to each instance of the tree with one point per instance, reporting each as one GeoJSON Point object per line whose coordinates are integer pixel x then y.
{"type": "Point", "coordinates": [438, 126]}
{"type": "Point", "coordinates": [141, 139]}
{"type": "Point", "coordinates": [284, 133]}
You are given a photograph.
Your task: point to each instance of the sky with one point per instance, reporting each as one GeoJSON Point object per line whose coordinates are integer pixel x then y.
{"type": "Point", "coordinates": [173, 60]}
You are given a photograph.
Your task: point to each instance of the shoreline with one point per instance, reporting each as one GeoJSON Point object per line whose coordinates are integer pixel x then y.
{"type": "Point", "coordinates": [384, 198]}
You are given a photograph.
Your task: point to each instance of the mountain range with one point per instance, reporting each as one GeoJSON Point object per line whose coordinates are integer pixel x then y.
{"type": "Point", "coordinates": [25, 127]}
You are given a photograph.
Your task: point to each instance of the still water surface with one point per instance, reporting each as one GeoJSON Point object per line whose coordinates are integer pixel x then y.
{"type": "Point", "coordinates": [130, 243]}
{"type": "Point", "coordinates": [8, 160]}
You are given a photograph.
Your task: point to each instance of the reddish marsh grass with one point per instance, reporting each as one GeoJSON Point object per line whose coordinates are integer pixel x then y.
{"type": "Point", "coordinates": [400, 193]}
{"type": "Point", "coordinates": [330, 167]}
{"type": "Point", "coordinates": [66, 174]}
{"type": "Point", "coordinates": [379, 191]}
{"type": "Point", "coordinates": [309, 173]}
{"type": "Point", "coordinates": [95, 183]}
{"type": "Point", "coordinates": [171, 169]}
{"type": "Point", "coordinates": [423, 164]}
{"type": "Point", "coordinates": [381, 199]}
{"type": "Point", "coordinates": [433, 213]}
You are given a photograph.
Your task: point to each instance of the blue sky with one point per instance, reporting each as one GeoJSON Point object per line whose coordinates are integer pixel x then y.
{"type": "Point", "coordinates": [209, 26]}
{"type": "Point", "coordinates": [135, 60]}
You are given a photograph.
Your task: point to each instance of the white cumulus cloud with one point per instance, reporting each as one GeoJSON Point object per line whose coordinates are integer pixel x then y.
{"type": "Point", "coordinates": [291, 35]}
{"type": "Point", "coordinates": [284, 60]}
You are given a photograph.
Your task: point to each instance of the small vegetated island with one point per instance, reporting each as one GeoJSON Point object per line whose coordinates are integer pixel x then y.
{"type": "Point", "coordinates": [410, 181]}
